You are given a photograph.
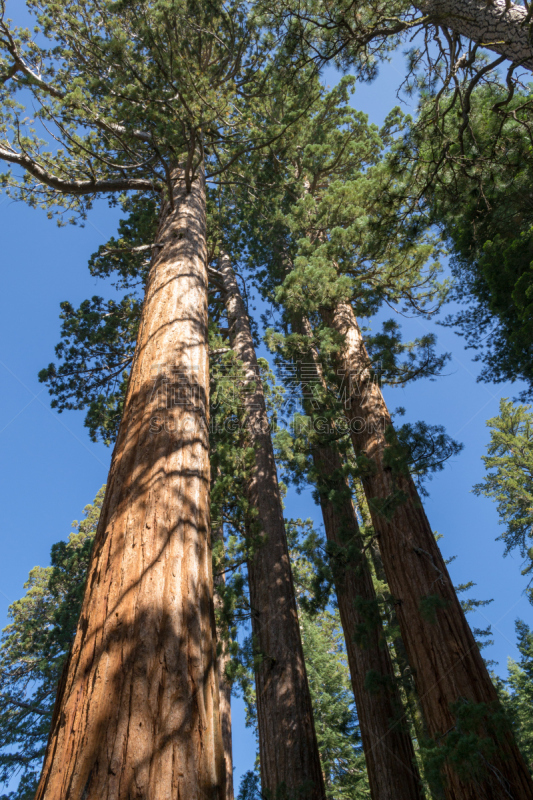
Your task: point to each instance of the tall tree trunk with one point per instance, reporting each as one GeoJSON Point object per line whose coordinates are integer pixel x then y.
{"type": "Point", "coordinates": [137, 713]}
{"type": "Point", "coordinates": [223, 682]}
{"type": "Point", "coordinates": [448, 668]}
{"type": "Point", "coordinates": [288, 747]}
{"type": "Point", "coordinates": [388, 749]}
{"type": "Point", "coordinates": [407, 684]}
{"type": "Point", "coordinates": [494, 24]}
{"type": "Point", "coordinates": [406, 674]}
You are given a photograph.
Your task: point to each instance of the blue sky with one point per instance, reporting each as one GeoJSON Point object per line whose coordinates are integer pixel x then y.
{"type": "Point", "coordinates": [51, 469]}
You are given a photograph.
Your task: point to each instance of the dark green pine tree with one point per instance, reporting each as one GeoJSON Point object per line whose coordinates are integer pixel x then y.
{"type": "Point", "coordinates": [517, 691]}
{"type": "Point", "coordinates": [33, 650]}
{"type": "Point", "coordinates": [98, 338]}
{"type": "Point", "coordinates": [97, 343]}
{"type": "Point", "coordinates": [479, 195]}
{"type": "Point", "coordinates": [334, 711]}
{"type": "Point", "coordinates": [339, 740]}
{"type": "Point", "coordinates": [509, 479]}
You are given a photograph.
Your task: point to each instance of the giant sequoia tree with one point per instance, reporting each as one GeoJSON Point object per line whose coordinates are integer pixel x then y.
{"type": "Point", "coordinates": [141, 96]}
{"type": "Point", "coordinates": [287, 741]}
{"type": "Point", "coordinates": [329, 257]}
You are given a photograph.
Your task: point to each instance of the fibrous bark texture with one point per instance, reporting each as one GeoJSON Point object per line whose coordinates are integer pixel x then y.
{"type": "Point", "coordinates": [494, 24]}
{"type": "Point", "coordinates": [225, 721]}
{"type": "Point", "coordinates": [387, 745]}
{"type": "Point", "coordinates": [406, 674]}
{"type": "Point", "coordinates": [223, 682]}
{"type": "Point", "coordinates": [288, 747]}
{"type": "Point", "coordinates": [449, 671]}
{"type": "Point", "coordinates": [137, 713]}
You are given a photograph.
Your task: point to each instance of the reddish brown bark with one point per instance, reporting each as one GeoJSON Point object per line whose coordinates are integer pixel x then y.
{"type": "Point", "coordinates": [387, 745]}
{"type": "Point", "coordinates": [225, 721]}
{"type": "Point", "coordinates": [224, 683]}
{"type": "Point", "coordinates": [287, 742]}
{"type": "Point", "coordinates": [137, 713]}
{"type": "Point", "coordinates": [443, 654]}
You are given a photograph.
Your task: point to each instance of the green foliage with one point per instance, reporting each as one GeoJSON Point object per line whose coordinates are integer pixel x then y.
{"type": "Point", "coordinates": [516, 692]}
{"type": "Point", "coordinates": [429, 605]}
{"type": "Point", "coordinates": [509, 479]}
{"type": "Point", "coordinates": [420, 449]}
{"type": "Point", "coordinates": [469, 745]}
{"type": "Point", "coordinates": [33, 649]}
{"type": "Point", "coordinates": [127, 256]}
{"type": "Point", "coordinates": [397, 362]}
{"type": "Point", "coordinates": [102, 81]}
{"type": "Point", "coordinates": [96, 350]}
{"type": "Point", "coordinates": [250, 787]}
{"type": "Point", "coordinates": [98, 339]}
{"type": "Point", "coordinates": [333, 708]}
{"type": "Point", "coordinates": [476, 181]}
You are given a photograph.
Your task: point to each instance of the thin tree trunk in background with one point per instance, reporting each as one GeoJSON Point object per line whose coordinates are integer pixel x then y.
{"type": "Point", "coordinates": [288, 747]}
{"type": "Point", "coordinates": [223, 683]}
{"type": "Point", "coordinates": [446, 662]}
{"type": "Point", "coordinates": [388, 749]}
{"type": "Point", "coordinates": [496, 25]}
{"type": "Point", "coordinates": [137, 713]}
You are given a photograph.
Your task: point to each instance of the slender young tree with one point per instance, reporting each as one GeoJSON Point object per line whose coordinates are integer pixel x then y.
{"type": "Point", "coordinates": [33, 650]}
{"type": "Point", "coordinates": [134, 92]}
{"type": "Point", "coordinates": [518, 690]}
{"type": "Point", "coordinates": [224, 683]}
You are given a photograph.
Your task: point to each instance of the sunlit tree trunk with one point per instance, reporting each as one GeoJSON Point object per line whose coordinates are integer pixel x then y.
{"type": "Point", "coordinates": [387, 745]}
{"type": "Point", "coordinates": [288, 747]}
{"type": "Point", "coordinates": [449, 672]}
{"type": "Point", "coordinates": [137, 712]}
{"type": "Point", "coordinates": [495, 24]}
{"type": "Point", "coordinates": [223, 682]}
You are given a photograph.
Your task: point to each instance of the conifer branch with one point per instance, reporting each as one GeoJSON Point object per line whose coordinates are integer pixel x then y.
{"type": "Point", "coordinates": [25, 706]}
{"type": "Point", "coordinates": [73, 186]}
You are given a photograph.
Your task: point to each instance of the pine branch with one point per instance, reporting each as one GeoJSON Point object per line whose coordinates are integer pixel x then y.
{"type": "Point", "coordinates": [25, 706]}
{"type": "Point", "coordinates": [76, 187]}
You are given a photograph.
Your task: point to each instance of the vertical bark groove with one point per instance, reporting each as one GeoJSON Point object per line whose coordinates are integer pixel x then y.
{"type": "Point", "coordinates": [287, 741]}
{"type": "Point", "coordinates": [137, 713]}
{"type": "Point", "coordinates": [446, 662]}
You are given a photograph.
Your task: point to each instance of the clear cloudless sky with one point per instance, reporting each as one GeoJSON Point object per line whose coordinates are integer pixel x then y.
{"type": "Point", "coordinates": [51, 470]}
